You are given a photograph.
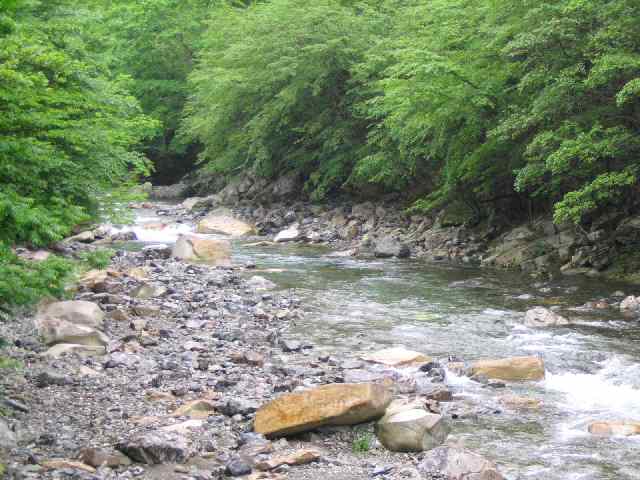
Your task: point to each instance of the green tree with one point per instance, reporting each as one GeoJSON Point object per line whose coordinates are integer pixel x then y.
{"type": "Point", "coordinates": [274, 91]}
{"type": "Point", "coordinates": [67, 126]}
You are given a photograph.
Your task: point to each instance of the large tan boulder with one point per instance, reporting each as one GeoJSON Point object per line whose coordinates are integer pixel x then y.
{"type": "Point", "coordinates": [510, 369]}
{"type": "Point", "coordinates": [543, 317]}
{"type": "Point", "coordinates": [226, 225]}
{"type": "Point", "coordinates": [457, 464]}
{"type": "Point", "coordinates": [618, 428]}
{"type": "Point", "coordinates": [410, 428]}
{"type": "Point", "coordinates": [54, 331]}
{"type": "Point", "coordinates": [207, 250]}
{"type": "Point", "coordinates": [335, 404]}
{"type": "Point", "coordinates": [75, 311]}
{"type": "Point", "coordinates": [75, 322]}
{"type": "Point", "coordinates": [395, 357]}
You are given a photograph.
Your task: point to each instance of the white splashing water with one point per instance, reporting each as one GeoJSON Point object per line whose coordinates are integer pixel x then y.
{"type": "Point", "coordinates": [167, 234]}
{"type": "Point", "coordinates": [613, 391]}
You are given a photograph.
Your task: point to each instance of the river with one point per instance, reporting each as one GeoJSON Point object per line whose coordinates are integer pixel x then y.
{"type": "Point", "coordinates": [593, 366]}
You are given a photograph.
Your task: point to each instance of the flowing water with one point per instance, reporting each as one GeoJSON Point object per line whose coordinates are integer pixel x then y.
{"type": "Point", "coordinates": [593, 367]}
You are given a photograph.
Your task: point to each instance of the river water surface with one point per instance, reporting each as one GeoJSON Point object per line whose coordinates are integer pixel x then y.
{"type": "Point", "coordinates": [593, 367]}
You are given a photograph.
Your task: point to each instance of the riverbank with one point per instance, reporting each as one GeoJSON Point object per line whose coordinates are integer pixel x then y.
{"type": "Point", "coordinates": [288, 317]}
{"type": "Point", "coordinates": [386, 228]}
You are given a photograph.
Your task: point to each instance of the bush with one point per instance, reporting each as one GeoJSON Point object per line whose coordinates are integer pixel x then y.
{"type": "Point", "coordinates": [99, 259]}
{"type": "Point", "coordinates": [24, 282]}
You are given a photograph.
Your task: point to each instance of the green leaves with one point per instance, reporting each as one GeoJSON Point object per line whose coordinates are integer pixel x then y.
{"type": "Point", "coordinates": [67, 129]}
{"type": "Point", "coordinates": [272, 90]}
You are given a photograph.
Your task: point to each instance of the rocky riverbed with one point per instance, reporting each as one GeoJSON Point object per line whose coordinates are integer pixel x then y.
{"type": "Point", "coordinates": [191, 364]}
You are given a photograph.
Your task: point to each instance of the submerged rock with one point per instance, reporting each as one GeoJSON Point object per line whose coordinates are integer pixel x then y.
{"type": "Point", "coordinates": [510, 369]}
{"type": "Point", "coordinates": [335, 404]}
{"type": "Point", "coordinates": [543, 317]}
{"type": "Point", "coordinates": [410, 428]}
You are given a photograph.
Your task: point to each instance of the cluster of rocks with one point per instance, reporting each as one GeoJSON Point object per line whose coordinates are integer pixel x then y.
{"type": "Point", "coordinates": [385, 229]}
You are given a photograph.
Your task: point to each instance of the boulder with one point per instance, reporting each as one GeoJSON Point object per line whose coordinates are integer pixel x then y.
{"type": "Point", "coordinates": [617, 428]}
{"type": "Point", "coordinates": [410, 428]}
{"type": "Point", "coordinates": [156, 447]}
{"type": "Point", "coordinates": [225, 225]}
{"type": "Point", "coordinates": [77, 312]}
{"type": "Point", "coordinates": [75, 322]}
{"type": "Point", "coordinates": [543, 317]}
{"type": "Point", "coordinates": [510, 369]}
{"type": "Point", "coordinates": [388, 246]}
{"type": "Point", "coordinates": [630, 305]}
{"type": "Point", "coordinates": [290, 234]}
{"type": "Point", "coordinates": [396, 357]}
{"type": "Point", "coordinates": [452, 463]}
{"type": "Point", "coordinates": [335, 404]}
{"type": "Point", "coordinates": [54, 331]}
{"type": "Point", "coordinates": [97, 457]}
{"type": "Point", "coordinates": [208, 250]}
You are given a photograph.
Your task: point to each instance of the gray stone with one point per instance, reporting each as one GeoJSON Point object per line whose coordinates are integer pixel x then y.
{"type": "Point", "coordinates": [410, 428]}
{"type": "Point", "coordinates": [388, 246]}
{"type": "Point", "coordinates": [291, 234]}
{"type": "Point", "coordinates": [156, 447]}
{"type": "Point", "coordinates": [543, 317]}
{"type": "Point", "coordinates": [48, 377]}
{"type": "Point", "coordinates": [457, 464]}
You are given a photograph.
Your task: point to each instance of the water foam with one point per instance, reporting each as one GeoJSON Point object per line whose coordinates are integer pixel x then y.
{"type": "Point", "coordinates": [612, 391]}
{"type": "Point", "coordinates": [168, 234]}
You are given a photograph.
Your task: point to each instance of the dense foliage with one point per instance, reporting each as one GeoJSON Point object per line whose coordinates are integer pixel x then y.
{"type": "Point", "coordinates": [68, 132]}
{"type": "Point", "coordinates": [490, 103]}
{"type": "Point", "coordinates": [67, 125]}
